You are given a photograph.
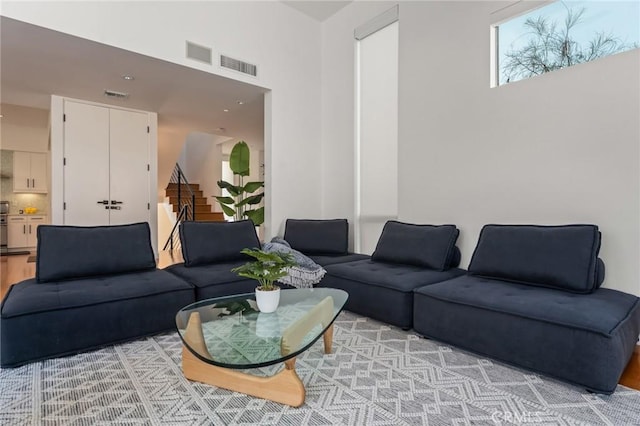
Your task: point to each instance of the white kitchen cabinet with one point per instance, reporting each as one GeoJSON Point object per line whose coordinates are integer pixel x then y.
{"type": "Point", "coordinates": [22, 230]}
{"type": "Point", "coordinates": [39, 174]}
{"type": "Point", "coordinates": [33, 222]}
{"type": "Point", "coordinates": [16, 231]}
{"type": "Point", "coordinates": [29, 172]}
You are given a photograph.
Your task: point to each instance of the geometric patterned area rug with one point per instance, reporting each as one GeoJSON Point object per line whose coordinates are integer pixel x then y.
{"type": "Point", "coordinates": [376, 375]}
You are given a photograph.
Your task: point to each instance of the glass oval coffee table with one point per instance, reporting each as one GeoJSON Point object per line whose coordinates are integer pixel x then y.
{"type": "Point", "coordinates": [225, 334]}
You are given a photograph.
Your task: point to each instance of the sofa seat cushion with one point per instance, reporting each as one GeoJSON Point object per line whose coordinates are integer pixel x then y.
{"type": "Point", "coordinates": [206, 275]}
{"type": "Point", "coordinates": [328, 259]}
{"type": "Point", "coordinates": [395, 276]}
{"type": "Point", "coordinates": [583, 339]}
{"type": "Point", "coordinates": [215, 279]}
{"type": "Point", "coordinates": [382, 291]}
{"type": "Point", "coordinates": [600, 312]}
{"type": "Point", "coordinates": [41, 321]}
{"type": "Point", "coordinates": [30, 297]}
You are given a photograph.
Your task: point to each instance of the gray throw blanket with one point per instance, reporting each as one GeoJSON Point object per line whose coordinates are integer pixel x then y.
{"type": "Point", "coordinates": [305, 274]}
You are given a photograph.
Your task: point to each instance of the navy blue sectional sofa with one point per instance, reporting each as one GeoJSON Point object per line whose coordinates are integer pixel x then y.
{"type": "Point", "coordinates": [406, 257]}
{"type": "Point", "coordinates": [531, 298]}
{"type": "Point", "coordinates": [324, 241]}
{"type": "Point", "coordinates": [210, 250]}
{"type": "Point", "coordinates": [93, 286]}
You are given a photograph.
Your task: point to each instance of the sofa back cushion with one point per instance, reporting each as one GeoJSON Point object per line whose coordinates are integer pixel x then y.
{"type": "Point", "coordinates": [429, 246]}
{"type": "Point", "coordinates": [318, 236]}
{"type": "Point", "coordinates": [68, 252]}
{"type": "Point", "coordinates": [563, 257]}
{"type": "Point", "coordinates": [455, 258]}
{"type": "Point", "coordinates": [209, 242]}
{"type": "Point", "coordinates": [600, 270]}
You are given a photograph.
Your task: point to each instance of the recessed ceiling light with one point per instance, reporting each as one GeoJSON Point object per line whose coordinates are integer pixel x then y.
{"type": "Point", "coordinates": [128, 77]}
{"type": "Point", "coordinates": [240, 103]}
{"type": "Point", "coordinates": [1, 115]}
{"type": "Point", "coordinates": [225, 110]}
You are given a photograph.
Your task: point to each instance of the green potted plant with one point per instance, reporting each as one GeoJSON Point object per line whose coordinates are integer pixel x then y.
{"type": "Point", "coordinates": [266, 269]}
{"type": "Point", "coordinates": [241, 204]}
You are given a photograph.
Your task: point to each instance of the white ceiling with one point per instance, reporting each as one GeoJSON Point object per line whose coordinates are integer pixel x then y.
{"type": "Point", "coordinates": [37, 62]}
{"type": "Point", "coordinates": [319, 10]}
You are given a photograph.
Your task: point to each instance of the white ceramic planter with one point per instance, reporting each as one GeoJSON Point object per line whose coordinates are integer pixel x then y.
{"type": "Point", "coordinates": [268, 300]}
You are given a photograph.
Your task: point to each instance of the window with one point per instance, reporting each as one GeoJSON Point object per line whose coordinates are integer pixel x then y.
{"type": "Point", "coordinates": [376, 144]}
{"type": "Point", "coordinates": [563, 34]}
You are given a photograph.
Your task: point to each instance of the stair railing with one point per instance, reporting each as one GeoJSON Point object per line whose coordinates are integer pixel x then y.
{"type": "Point", "coordinates": [186, 205]}
{"type": "Point", "coordinates": [188, 198]}
{"type": "Point", "coordinates": [173, 242]}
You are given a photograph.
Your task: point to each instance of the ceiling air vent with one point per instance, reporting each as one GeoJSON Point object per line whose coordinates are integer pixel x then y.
{"type": "Point", "coordinates": [198, 53]}
{"type": "Point", "coordinates": [236, 65]}
{"type": "Point", "coordinates": [114, 94]}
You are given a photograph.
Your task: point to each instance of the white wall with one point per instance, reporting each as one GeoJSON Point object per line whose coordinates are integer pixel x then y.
{"type": "Point", "coordinates": [203, 164]}
{"type": "Point", "coordinates": [283, 43]}
{"type": "Point", "coordinates": [170, 147]}
{"type": "Point", "coordinates": [24, 129]}
{"type": "Point", "coordinates": [559, 148]}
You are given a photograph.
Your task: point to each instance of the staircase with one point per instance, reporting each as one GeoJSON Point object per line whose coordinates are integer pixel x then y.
{"type": "Point", "coordinates": [202, 208]}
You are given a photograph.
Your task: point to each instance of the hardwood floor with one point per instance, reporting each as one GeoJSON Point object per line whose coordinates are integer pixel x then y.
{"type": "Point", "coordinates": [631, 375]}
{"type": "Point", "coordinates": [16, 268]}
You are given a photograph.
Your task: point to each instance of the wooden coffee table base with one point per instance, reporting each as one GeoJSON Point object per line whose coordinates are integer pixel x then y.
{"type": "Point", "coordinates": [284, 387]}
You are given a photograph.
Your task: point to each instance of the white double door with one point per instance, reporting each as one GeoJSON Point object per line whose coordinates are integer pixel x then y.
{"type": "Point", "coordinates": [106, 165]}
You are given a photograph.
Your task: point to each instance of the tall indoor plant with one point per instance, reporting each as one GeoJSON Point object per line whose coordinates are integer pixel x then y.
{"type": "Point", "coordinates": [266, 269]}
{"type": "Point", "coordinates": [241, 204]}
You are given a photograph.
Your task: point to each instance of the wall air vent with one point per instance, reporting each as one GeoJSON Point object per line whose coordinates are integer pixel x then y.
{"type": "Point", "coordinates": [198, 53]}
{"type": "Point", "coordinates": [113, 94]}
{"type": "Point", "coordinates": [236, 65]}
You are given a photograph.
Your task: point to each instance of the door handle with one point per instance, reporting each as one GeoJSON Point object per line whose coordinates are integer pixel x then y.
{"type": "Point", "coordinates": [33, 183]}
{"type": "Point", "coordinates": [116, 202]}
{"type": "Point", "coordinates": [29, 228]}
{"type": "Point", "coordinates": [24, 229]}
{"type": "Point", "coordinates": [27, 182]}
{"type": "Point", "coordinates": [105, 202]}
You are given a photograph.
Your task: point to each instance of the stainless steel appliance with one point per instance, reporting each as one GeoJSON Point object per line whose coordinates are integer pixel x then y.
{"type": "Point", "coordinates": [4, 210]}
